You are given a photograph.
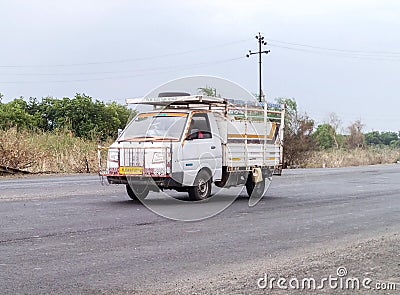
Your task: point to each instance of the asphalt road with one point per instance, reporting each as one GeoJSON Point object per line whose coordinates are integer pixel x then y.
{"type": "Point", "coordinates": [69, 234]}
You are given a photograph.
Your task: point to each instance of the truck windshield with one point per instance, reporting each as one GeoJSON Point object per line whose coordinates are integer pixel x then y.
{"type": "Point", "coordinates": [167, 126]}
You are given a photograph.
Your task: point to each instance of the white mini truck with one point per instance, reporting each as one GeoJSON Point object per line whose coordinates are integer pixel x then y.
{"type": "Point", "coordinates": [189, 142]}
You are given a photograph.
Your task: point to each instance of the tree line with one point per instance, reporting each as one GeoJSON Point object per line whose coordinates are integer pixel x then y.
{"type": "Point", "coordinates": [302, 135]}
{"type": "Point", "coordinates": [92, 119]}
{"type": "Point", "coordinates": [81, 115]}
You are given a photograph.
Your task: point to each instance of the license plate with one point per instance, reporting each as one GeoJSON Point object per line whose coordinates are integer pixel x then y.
{"type": "Point", "coordinates": [131, 170]}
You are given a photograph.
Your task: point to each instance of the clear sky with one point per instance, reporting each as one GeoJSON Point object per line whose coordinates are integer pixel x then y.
{"type": "Point", "coordinates": [332, 56]}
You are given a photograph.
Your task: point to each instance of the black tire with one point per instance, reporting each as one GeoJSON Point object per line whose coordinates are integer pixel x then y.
{"type": "Point", "coordinates": [137, 193]}
{"type": "Point", "coordinates": [202, 188]}
{"type": "Point", "coordinates": [254, 188]}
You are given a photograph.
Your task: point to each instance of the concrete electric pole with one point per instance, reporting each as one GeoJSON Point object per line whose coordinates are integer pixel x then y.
{"type": "Point", "coordinates": [260, 52]}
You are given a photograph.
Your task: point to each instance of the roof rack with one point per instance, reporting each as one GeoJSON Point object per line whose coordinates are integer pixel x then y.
{"type": "Point", "coordinates": [177, 100]}
{"type": "Point", "coordinates": [237, 109]}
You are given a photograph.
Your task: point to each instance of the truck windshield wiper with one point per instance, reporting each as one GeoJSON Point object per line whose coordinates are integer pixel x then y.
{"type": "Point", "coordinates": [148, 138]}
{"type": "Point", "coordinates": [161, 138]}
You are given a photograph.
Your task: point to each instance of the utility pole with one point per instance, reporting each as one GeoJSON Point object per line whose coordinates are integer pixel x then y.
{"type": "Point", "coordinates": [260, 52]}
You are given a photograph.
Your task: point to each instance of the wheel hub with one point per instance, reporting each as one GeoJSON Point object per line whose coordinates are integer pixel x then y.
{"type": "Point", "coordinates": [202, 187]}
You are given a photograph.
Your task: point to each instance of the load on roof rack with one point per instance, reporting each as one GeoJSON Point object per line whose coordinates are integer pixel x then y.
{"type": "Point", "coordinates": [200, 99]}
{"type": "Point", "coordinates": [177, 100]}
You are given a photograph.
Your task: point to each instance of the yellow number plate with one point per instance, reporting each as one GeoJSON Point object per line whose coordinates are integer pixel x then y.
{"type": "Point", "coordinates": [130, 170]}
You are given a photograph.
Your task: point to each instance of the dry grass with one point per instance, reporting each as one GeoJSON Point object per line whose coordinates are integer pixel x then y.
{"type": "Point", "coordinates": [47, 152]}
{"type": "Point", "coordinates": [356, 157]}
{"type": "Point", "coordinates": [63, 153]}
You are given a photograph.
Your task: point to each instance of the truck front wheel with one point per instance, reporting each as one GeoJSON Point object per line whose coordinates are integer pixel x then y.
{"type": "Point", "coordinates": [202, 187]}
{"type": "Point", "coordinates": [137, 193]}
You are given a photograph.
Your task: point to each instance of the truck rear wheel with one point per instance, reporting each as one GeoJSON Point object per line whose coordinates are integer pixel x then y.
{"type": "Point", "coordinates": [137, 193]}
{"type": "Point", "coordinates": [202, 188]}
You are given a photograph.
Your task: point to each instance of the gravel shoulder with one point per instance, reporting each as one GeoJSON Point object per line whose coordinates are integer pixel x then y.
{"type": "Point", "coordinates": [375, 258]}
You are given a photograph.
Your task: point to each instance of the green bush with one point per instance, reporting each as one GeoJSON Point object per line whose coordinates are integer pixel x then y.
{"type": "Point", "coordinates": [81, 115]}
{"type": "Point", "coordinates": [324, 136]}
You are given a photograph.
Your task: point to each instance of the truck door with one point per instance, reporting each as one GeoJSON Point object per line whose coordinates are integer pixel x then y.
{"type": "Point", "coordinates": [202, 148]}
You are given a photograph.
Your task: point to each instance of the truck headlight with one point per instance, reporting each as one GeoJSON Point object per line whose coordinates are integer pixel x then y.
{"type": "Point", "coordinates": [113, 156]}
{"type": "Point", "coordinates": [158, 157]}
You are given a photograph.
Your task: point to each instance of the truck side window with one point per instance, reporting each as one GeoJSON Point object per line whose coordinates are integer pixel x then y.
{"type": "Point", "coordinates": [199, 127]}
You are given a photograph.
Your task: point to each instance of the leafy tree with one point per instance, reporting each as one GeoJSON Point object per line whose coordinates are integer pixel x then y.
{"type": "Point", "coordinates": [373, 138]}
{"type": "Point", "coordinates": [388, 138]}
{"type": "Point", "coordinates": [324, 136]}
{"type": "Point", "coordinates": [297, 133]}
{"type": "Point", "coordinates": [395, 144]}
{"type": "Point", "coordinates": [14, 114]}
{"type": "Point", "coordinates": [382, 138]}
{"type": "Point", "coordinates": [81, 115]}
{"type": "Point", "coordinates": [341, 140]}
{"type": "Point", "coordinates": [111, 117]}
{"type": "Point", "coordinates": [208, 91]}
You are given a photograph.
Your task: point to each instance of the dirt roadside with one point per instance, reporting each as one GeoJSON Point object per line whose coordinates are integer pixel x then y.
{"type": "Point", "coordinates": [377, 259]}
{"type": "Point", "coordinates": [6, 176]}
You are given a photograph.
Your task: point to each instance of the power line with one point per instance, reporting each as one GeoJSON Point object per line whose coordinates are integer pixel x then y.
{"type": "Point", "coordinates": [117, 72]}
{"type": "Point", "coordinates": [338, 50]}
{"type": "Point", "coordinates": [128, 59]}
{"type": "Point", "coordinates": [337, 54]}
{"type": "Point", "coordinates": [167, 70]}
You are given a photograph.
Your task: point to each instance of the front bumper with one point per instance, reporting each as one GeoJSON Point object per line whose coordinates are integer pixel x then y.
{"type": "Point", "coordinates": [173, 181]}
